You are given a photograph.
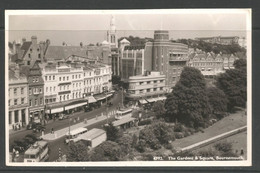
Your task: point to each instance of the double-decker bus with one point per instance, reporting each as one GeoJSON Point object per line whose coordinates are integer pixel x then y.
{"type": "Point", "coordinates": [38, 152]}
{"type": "Point", "coordinates": [73, 135]}
{"type": "Point", "coordinates": [123, 112]}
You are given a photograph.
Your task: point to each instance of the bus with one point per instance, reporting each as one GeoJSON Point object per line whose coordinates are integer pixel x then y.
{"type": "Point", "coordinates": [73, 135]}
{"type": "Point", "coordinates": [123, 112]}
{"type": "Point", "coordinates": [38, 152]}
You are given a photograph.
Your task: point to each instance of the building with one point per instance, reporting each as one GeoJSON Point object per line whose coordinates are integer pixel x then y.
{"type": "Point", "coordinates": [220, 40]}
{"type": "Point", "coordinates": [161, 55]}
{"type": "Point", "coordinates": [17, 98]}
{"type": "Point", "coordinates": [93, 138]}
{"type": "Point", "coordinates": [146, 88]}
{"type": "Point", "coordinates": [36, 91]}
{"type": "Point", "coordinates": [211, 64]}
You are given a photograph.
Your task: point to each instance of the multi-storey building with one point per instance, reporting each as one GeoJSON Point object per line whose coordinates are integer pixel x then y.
{"type": "Point", "coordinates": [17, 98]}
{"type": "Point", "coordinates": [160, 55]}
{"type": "Point", "coordinates": [150, 87]}
{"type": "Point", "coordinates": [210, 64]}
{"type": "Point", "coordinates": [72, 85]}
{"type": "Point", "coordinates": [36, 93]}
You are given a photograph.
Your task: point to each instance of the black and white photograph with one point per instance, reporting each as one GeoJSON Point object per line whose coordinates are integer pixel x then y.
{"type": "Point", "coordinates": [165, 87]}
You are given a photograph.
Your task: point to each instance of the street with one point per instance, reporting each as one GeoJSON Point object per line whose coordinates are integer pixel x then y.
{"type": "Point", "coordinates": [59, 124]}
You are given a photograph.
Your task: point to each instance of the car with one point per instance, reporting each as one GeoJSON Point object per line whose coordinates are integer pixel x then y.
{"type": "Point", "coordinates": [38, 128]}
{"type": "Point", "coordinates": [32, 125]}
{"type": "Point", "coordinates": [63, 116]}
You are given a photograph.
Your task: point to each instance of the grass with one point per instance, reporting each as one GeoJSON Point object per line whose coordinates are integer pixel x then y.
{"type": "Point", "coordinates": [228, 123]}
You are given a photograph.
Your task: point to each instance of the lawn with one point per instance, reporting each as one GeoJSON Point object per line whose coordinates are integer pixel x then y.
{"type": "Point", "coordinates": [231, 122]}
{"type": "Point", "coordinates": [239, 141]}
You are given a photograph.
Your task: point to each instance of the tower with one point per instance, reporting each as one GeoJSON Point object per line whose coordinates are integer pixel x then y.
{"type": "Point", "coordinates": [111, 34]}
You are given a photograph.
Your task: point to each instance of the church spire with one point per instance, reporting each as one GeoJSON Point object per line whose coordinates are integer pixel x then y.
{"type": "Point", "coordinates": [111, 34]}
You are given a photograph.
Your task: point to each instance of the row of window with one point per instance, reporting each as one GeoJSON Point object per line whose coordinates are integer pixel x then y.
{"type": "Point", "coordinates": [146, 90]}
{"type": "Point", "coordinates": [15, 90]}
{"type": "Point", "coordinates": [50, 77]}
{"type": "Point", "coordinates": [67, 97]}
{"type": "Point", "coordinates": [35, 91]}
{"type": "Point", "coordinates": [207, 64]}
{"type": "Point", "coordinates": [150, 82]}
{"type": "Point", "coordinates": [16, 101]}
{"type": "Point", "coordinates": [36, 103]}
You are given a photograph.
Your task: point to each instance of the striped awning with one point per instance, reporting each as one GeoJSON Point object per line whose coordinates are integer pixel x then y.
{"type": "Point", "coordinates": [75, 105]}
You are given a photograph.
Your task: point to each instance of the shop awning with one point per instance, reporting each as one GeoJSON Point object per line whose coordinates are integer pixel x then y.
{"type": "Point", "coordinates": [143, 101]}
{"type": "Point", "coordinates": [75, 105]}
{"type": "Point", "coordinates": [108, 95]}
{"type": "Point", "coordinates": [226, 68]}
{"type": "Point", "coordinates": [91, 99]}
{"type": "Point", "coordinates": [100, 97]}
{"type": "Point", "coordinates": [151, 100]}
{"type": "Point", "coordinates": [54, 110]}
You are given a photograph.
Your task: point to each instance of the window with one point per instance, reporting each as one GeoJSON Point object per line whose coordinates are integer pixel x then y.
{"type": "Point", "coordinates": [50, 89]}
{"type": "Point", "coordinates": [9, 102]}
{"type": "Point", "coordinates": [54, 99]}
{"type": "Point", "coordinates": [154, 89]}
{"type": "Point", "coordinates": [148, 90]}
{"type": "Point", "coordinates": [15, 91]}
{"type": "Point", "coordinates": [161, 88]}
{"type": "Point", "coordinates": [53, 77]}
{"type": "Point", "coordinates": [22, 101]}
{"type": "Point", "coordinates": [60, 98]}
{"type": "Point", "coordinates": [41, 101]}
{"type": "Point", "coordinates": [67, 86]}
{"type": "Point", "coordinates": [67, 77]}
{"type": "Point", "coordinates": [148, 82]}
{"type": "Point", "coordinates": [38, 49]}
{"type": "Point", "coordinates": [64, 97]}
{"type": "Point", "coordinates": [72, 76]}
{"type": "Point", "coordinates": [22, 90]}
{"type": "Point", "coordinates": [60, 78]}
{"type": "Point", "coordinates": [15, 101]}
{"type": "Point", "coordinates": [37, 79]}
{"type": "Point", "coordinates": [161, 81]}
{"type": "Point", "coordinates": [46, 89]}
{"type": "Point", "coordinates": [63, 78]}
{"type": "Point", "coordinates": [33, 80]}
{"type": "Point", "coordinates": [79, 76]}
{"type": "Point", "coordinates": [76, 76]}
{"type": "Point", "coordinates": [46, 77]}
{"type": "Point", "coordinates": [28, 62]}
{"type": "Point", "coordinates": [29, 55]}
{"type": "Point", "coordinates": [54, 88]}
{"type": "Point", "coordinates": [68, 97]}
{"type": "Point", "coordinates": [30, 102]}
{"type": "Point", "coordinates": [141, 91]}
{"type": "Point", "coordinates": [49, 77]}
{"type": "Point", "coordinates": [64, 87]}
{"type": "Point", "coordinates": [60, 88]}
{"type": "Point", "coordinates": [46, 100]}
{"type": "Point", "coordinates": [31, 50]}
{"type": "Point", "coordinates": [39, 55]}
{"type": "Point", "coordinates": [36, 102]}
{"type": "Point", "coordinates": [30, 91]}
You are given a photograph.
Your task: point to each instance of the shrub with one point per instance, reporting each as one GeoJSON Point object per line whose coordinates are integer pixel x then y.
{"type": "Point", "coordinates": [179, 128]}
{"type": "Point", "coordinates": [145, 122]}
{"type": "Point", "coordinates": [169, 146]}
{"type": "Point", "coordinates": [141, 146]}
{"type": "Point", "coordinates": [187, 133]}
{"type": "Point", "coordinates": [223, 146]}
{"type": "Point", "coordinates": [178, 135]}
{"type": "Point", "coordinates": [207, 153]}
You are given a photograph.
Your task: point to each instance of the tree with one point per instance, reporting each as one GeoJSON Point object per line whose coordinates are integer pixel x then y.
{"type": "Point", "coordinates": [77, 152]}
{"type": "Point", "coordinates": [188, 102]}
{"type": "Point", "coordinates": [113, 133]}
{"type": "Point", "coordinates": [158, 109]}
{"type": "Point", "coordinates": [125, 142]}
{"type": "Point", "coordinates": [234, 84]}
{"type": "Point", "coordinates": [163, 132]}
{"type": "Point", "coordinates": [107, 151]}
{"type": "Point", "coordinates": [149, 137]}
{"type": "Point", "coordinates": [218, 101]}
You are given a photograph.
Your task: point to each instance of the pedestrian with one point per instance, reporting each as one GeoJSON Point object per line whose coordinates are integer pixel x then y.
{"type": "Point", "coordinates": [52, 130]}
{"type": "Point", "coordinates": [242, 151]}
{"type": "Point", "coordinates": [78, 118]}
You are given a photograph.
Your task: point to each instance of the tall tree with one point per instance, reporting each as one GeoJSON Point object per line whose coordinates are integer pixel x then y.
{"type": "Point", "coordinates": [188, 102]}
{"type": "Point", "coordinates": [77, 152]}
{"type": "Point", "coordinates": [234, 84]}
{"type": "Point", "coordinates": [113, 133]}
{"type": "Point", "coordinates": [218, 101]}
{"type": "Point", "coordinates": [158, 109]}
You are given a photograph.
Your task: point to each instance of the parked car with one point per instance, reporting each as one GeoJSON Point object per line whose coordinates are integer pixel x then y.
{"type": "Point", "coordinates": [63, 116]}
{"type": "Point", "coordinates": [32, 125]}
{"type": "Point", "coordinates": [38, 128]}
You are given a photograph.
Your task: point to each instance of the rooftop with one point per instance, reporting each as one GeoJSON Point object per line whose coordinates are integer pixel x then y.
{"type": "Point", "coordinates": [92, 134]}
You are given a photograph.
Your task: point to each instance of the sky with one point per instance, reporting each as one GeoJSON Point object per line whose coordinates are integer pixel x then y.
{"type": "Point", "coordinates": [91, 26]}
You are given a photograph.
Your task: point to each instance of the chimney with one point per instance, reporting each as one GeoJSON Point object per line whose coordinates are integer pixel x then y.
{"type": "Point", "coordinates": [17, 71]}
{"type": "Point", "coordinates": [23, 40]}
{"type": "Point", "coordinates": [14, 47]}
{"type": "Point", "coordinates": [34, 40]}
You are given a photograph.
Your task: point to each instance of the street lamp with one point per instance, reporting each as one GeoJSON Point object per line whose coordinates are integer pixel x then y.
{"type": "Point", "coordinates": [106, 90]}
